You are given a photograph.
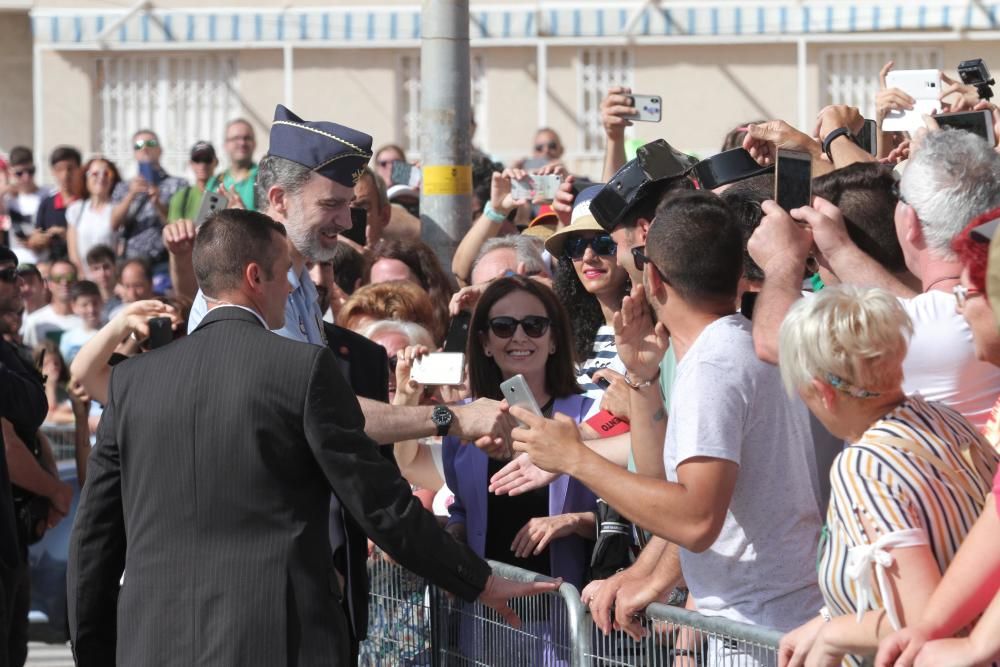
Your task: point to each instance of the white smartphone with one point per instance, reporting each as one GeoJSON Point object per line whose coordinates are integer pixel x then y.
{"type": "Point", "coordinates": [536, 188]}
{"type": "Point", "coordinates": [924, 86]}
{"type": "Point", "coordinates": [649, 108]}
{"type": "Point", "coordinates": [439, 368]}
{"type": "Point", "coordinates": [517, 392]}
{"type": "Point", "coordinates": [210, 203]}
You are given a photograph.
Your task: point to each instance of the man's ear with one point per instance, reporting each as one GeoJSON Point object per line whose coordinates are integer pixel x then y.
{"type": "Point", "coordinates": [642, 231]}
{"type": "Point", "coordinates": [914, 232]}
{"type": "Point", "coordinates": [277, 199]}
{"type": "Point", "coordinates": [252, 275]}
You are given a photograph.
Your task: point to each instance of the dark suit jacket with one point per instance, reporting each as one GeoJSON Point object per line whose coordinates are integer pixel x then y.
{"type": "Point", "coordinates": [209, 486]}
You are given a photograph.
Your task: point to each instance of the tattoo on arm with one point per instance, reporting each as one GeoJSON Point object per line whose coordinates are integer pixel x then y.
{"type": "Point", "coordinates": [659, 415]}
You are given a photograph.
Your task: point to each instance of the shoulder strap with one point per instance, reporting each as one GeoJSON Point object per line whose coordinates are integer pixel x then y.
{"type": "Point", "coordinates": [950, 474]}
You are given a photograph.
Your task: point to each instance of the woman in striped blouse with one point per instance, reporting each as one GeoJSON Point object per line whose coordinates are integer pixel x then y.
{"type": "Point", "coordinates": [904, 493]}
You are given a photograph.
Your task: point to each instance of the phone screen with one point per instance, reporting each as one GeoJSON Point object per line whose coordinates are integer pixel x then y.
{"type": "Point", "coordinates": [867, 138]}
{"type": "Point", "coordinates": [147, 171]}
{"type": "Point", "coordinates": [359, 226]}
{"type": "Point", "coordinates": [400, 172]}
{"type": "Point", "coordinates": [458, 332]}
{"type": "Point", "coordinates": [793, 179]}
{"type": "Point", "coordinates": [978, 123]}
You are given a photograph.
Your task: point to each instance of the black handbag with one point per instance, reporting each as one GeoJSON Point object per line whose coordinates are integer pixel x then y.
{"type": "Point", "coordinates": [613, 549]}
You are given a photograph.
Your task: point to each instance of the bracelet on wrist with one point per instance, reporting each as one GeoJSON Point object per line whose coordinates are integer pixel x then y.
{"type": "Point", "coordinates": [493, 215]}
{"type": "Point", "coordinates": [636, 383]}
{"type": "Point", "coordinates": [824, 613]}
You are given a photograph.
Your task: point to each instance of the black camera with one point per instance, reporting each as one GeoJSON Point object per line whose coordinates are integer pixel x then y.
{"type": "Point", "coordinates": [974, 73]}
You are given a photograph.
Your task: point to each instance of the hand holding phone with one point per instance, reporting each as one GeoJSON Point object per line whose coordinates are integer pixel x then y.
{"type": "Point", "coordinates": [793, 179]}
{"type": "Point", "coordinates": [517, 392]}
{"type": "Point", "coordinates": [924, 86]}
{"type": "Point", "coordinates": [149, 173]}
{"type": "Point", "coordinates": [458, 332]}
{"type": "Point", "coordinates": [536, 188]}
{"type": "Point", "coordinates": [648, 108]}
{"type": "Point", "coordinates": [210, 203]}
{"type": "Point", "coordinates": [160, 332]}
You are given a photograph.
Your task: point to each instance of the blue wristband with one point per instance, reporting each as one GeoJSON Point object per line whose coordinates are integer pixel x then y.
{"type": "Point", "coordinates": [493, 215]}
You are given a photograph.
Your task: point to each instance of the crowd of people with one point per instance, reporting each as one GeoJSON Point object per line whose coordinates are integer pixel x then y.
{"type": "Point", "coordinates": [788, 418]}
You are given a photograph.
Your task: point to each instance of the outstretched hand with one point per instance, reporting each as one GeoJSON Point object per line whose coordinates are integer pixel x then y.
{"type": "Point", "coordinates": [519, 476]}
{"type": "Point", "coordinates": [499, 591]}
{"type": "Point", "coordinates": [640, 342]}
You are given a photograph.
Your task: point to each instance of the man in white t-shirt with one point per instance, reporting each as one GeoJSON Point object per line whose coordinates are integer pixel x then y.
{"type": "Point", "coordinates": [738, 498]}
{"type": "Point", "coordinates": [52, 320]}
{"type": "Point", "coordinates": [20, 201]}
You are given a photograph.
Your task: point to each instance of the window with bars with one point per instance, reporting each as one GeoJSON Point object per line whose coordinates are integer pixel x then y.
{"type": "Point", "coordinates": [183, 98]}
{"type": "Point", "coordinates": [598, 69]}
{"type": "Point", "coordinates": [850, 76]}
{"type": "Point", "coordinates": [408, 103]}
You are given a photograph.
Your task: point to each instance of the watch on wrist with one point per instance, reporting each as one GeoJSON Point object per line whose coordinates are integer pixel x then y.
{"type": "Point", "coordinates": [442, 418]}
{"type": "Point", "coordinates": [830, 138]}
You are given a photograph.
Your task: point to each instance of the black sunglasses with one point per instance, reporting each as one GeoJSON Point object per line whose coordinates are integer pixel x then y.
{"type": "Point", "coordinates": [601, 244]}
{"type": "Point", "coordinates": [534, 326]}
{"type": "Point", "coordinates": [8, 274]}
{"type": "Point", "coordinates": [640, 259]}
{"type": "Point", "coordinates": [18, 173]}
{"type": "Point", "coordinates": [551, 146]}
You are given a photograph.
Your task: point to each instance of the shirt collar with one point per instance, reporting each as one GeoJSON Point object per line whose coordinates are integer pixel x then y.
{"type": "Point", "coordinates": [249, 310]}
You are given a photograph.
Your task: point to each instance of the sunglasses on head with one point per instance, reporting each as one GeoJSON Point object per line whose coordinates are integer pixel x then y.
{"type": "Point", "coordinates": [30, 171]}
{"type": "Point", "coordinates": [8, 274]}
{"type": "Point", "coordinates": [534, 326]}
{"type": "Point", "coordinates": [146, 143]}
{"type": "Point", "coordinates": [552, 145]}
{"type": "Point", "coordinates": [601, 244]}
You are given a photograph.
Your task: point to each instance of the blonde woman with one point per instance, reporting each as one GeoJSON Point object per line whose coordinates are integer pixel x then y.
{"type": "Point", "coordinates": [905, 491]}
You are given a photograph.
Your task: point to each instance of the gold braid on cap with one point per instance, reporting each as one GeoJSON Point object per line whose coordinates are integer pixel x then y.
{"type": "Point", "coordinates": [361, 152]}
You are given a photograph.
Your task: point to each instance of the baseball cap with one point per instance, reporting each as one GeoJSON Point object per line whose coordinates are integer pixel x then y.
{"type": "Point", "coordinates": [202, 151]}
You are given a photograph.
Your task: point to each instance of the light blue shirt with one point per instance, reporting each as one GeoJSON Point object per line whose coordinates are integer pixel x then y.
{"type": "Point", "coordinates": [303, 319]}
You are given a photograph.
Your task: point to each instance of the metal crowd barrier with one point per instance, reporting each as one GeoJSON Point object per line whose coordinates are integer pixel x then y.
{"type": "Point", "coordinates": [412, 624]}
{"type": "Point", "coordinates": [677, 637]}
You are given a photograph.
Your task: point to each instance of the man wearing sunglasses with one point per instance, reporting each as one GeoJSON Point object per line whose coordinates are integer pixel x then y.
{"type": "Point", "coordinates": [735, 439]}
{"type": "Point", "coordinates": [140, 205]}
{"type": "Point", "coordinates": [20, 199]}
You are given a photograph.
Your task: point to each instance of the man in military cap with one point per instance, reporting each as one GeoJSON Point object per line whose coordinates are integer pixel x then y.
{"type": "Point", "coordinates": [306, 182]}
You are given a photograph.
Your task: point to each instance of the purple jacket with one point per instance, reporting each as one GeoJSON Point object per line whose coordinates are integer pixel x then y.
{"type": "Point", "coordinates": [465, 471]}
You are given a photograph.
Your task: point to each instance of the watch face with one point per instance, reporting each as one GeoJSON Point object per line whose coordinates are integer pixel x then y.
{"type": "Point", "coordinates": [441, 416]}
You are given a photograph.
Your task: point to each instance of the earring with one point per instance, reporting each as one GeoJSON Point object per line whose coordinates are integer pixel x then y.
{"type": "Point", "coordinates": [487, 353]}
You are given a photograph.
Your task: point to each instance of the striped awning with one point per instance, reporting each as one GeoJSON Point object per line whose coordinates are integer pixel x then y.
{"type": "Point", "coordinates": [497, 24]}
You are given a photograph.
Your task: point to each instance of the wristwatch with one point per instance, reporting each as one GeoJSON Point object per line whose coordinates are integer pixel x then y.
{"type": "Point", "coordinates": [442, 418]}
{"type": "Point", "coordinates": [839, 132]}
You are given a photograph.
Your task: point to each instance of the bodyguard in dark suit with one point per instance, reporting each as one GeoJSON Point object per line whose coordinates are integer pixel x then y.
{"type": "Point", "coordinates": [23, 404]}
{"type": "Point", "coordinates": [210, 482]}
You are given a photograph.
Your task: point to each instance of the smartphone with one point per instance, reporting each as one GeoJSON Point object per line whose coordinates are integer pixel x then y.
{"type": "Point", "coordinates": [210, 203]}
{"type": "Point", "coordinates": [147, 171]}
{"type": "Point", "coordinates": [458, 332]}
{"type": "Point", "coordinates": [534, 163]}
{"type": "Point", "coordinates": [439, 368]}
{"type": "Point", "coordinates": [793, 179]}
{"type": "Point", "coordinates": [404, 173]}
{"type": "Point", "coordinates": [979, 123]}
{"type": "Point", "coordinates": [517, 392]}
{"type": "Point", "coordinates": [924, 86]}
{"type": "Point", "coordinates": [867, 138]}
{"type": "Point", "coordinates": [747, 302]}
{"type": "Point", "coordinates": [160, 332]}
{"type": "Point", "coordinates": [535, 188]}
{"type": "Point", "coordinates": [649, 108]}
{"type": "Point", "coordinates": [359, 227]}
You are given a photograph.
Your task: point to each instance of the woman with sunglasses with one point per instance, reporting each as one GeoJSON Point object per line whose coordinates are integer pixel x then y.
{"type": "Point", "coordinates": [905, 492]}
{"type": "Point", "coordinates": [89, 219]}
{"type": "Point", "coordinates": [591, 285]}
{"type": "Point", "coordinates": [520, 328]}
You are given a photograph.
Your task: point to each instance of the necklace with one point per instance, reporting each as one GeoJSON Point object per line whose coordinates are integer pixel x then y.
{"type": "Point", "coordinates": [940, 280]}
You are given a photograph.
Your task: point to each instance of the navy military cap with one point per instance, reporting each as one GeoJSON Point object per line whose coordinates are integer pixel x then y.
{"type": "Point", "coordinates": [331, 150]}
{"type": "Point", "coordinates": [657, 167]}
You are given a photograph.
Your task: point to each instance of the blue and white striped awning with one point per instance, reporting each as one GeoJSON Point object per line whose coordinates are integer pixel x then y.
{"type": "Point", "coordinates": [500, 24]}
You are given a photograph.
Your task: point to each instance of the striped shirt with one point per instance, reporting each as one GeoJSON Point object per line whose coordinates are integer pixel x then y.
{"type": "Point", "coordinates": [893, 490]}
{"type": "Point", "coordinates": [603, 354]}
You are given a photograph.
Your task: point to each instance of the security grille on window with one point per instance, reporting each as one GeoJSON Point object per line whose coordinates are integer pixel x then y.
{"type": "Point", "coordinates": [182, 98]}
{"type": "Point", "coordinates": [408, 103]}
{"type": "Point", "coordinates": [597, 71]}
{"type": "Point", "coordinates": [850, 76]}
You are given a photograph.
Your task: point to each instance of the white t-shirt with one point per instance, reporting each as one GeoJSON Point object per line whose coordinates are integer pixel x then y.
{"type": "Point", "coordinates": [91, 227]}
{"type": "Point", "coordinates": [728, 404]}
{"type": "Point", "coordinates": [941, 362]}
{"type": "Point", "coordinates": [38, 324]}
